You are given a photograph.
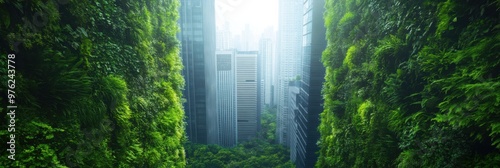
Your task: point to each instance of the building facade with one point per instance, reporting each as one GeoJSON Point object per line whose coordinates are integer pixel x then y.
{"type": "Point", "coordinates": [197, 37]}
{"type": "Point", "coordinates": [226, 98]}
{"type": "Point", "coordinates": [310, 100]}
{"type": "Point", "coordinates": [289, 52]}
{"type": "Point", "coordinates": [293, 90]}
{"type": "Point", "coordinates": [260, 88]}
{"type": "Point", "coordinates": [248, 117]}
{"type": "Point", "coordinates": [266, 52]}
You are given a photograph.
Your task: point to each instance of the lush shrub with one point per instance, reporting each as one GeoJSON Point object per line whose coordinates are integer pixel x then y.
{"type": "Point", "coordinates": [98, 83]}
{"type": "Point", "coordinates": [411, 84]}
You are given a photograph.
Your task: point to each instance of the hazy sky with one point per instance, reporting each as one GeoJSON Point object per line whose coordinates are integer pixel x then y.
{"type": "Point", "coordinates": [258, 14]}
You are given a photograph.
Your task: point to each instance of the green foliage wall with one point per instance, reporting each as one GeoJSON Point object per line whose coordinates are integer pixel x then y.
{"type": "Point", "coordinates": [411, 84]}
{"type": "Point", "coordinates": [98, 83]}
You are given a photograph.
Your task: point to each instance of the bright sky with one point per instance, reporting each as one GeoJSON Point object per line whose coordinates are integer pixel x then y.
{"type": "Point", "coordinates": [258, 14]}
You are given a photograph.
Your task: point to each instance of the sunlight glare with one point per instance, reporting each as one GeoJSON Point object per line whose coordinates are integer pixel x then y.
{"type": "Point", "coordinates": [258, 14]}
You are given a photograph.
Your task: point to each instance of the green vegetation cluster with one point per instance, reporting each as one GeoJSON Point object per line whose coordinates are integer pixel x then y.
{"type": "Point", "coordinates": [260, 152]}
{"type": "Point", "coordinates": [268, 125]}
{"type": "Point", "coordinates": [411, 84]}
{"type": "Point", "coordinates": [254, 153]}
{"type": "Point", "coordinates": [98, 83]}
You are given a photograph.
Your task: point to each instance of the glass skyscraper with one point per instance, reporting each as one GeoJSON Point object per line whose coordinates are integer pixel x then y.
{"type": "Point", "coordinates": [310, 100]}
{"type": "Point", "coordinates": [197, 36]}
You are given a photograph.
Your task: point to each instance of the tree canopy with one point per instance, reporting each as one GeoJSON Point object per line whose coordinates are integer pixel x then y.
{"type": "Point", "coordinates": [259, 152]}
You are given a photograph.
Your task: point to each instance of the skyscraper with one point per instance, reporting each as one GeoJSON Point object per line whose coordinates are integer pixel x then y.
{"type": "Point", "coordinates": [310, 99]}
{"type": "Point", "coordinates": [247, 94]}
{"type": "Point", "coordinates": [197, 36]}
{"type": "Point", "coordinates": [226, 99]}
{"type": "Point", "coordinates": [266, 52]}
{"type": "Point", "coordinates": [289, 52]}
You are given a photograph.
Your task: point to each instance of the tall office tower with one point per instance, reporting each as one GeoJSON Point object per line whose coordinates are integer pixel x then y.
{"type": "Point", "coordinates": [267, 49]}
{"type": "Point", "coordinates": [266, 52]}
{"type": "Point", "coordinates": [246, 94]}
{"type": "Point", "coordinates": [310, 99]}
{"type": "Point", "coordinates": [197, 36]}
{"type": "Point", "coordinates": [289, 52]}
{"type": "Point", "coordinates": [226, 98]}
{"type": "Point", "coordinates": [267, 45]}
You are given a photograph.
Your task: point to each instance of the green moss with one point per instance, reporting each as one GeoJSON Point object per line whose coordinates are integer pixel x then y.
{"type": "Point", "coordinates": [364, 111]}
{"type": "Point", "coordinates": [86, 50]}
{"type": "Point", "coordinates": [389, 46]}
{"type": "Point", "coordinates": [114, 89]}
{"type": "Point", "coordinates": [350, 56]}
{"type": "Point", "coordinates": [445, 15]}
{"type": "Point", "coordinates": [407, 159]}
{"type": "Point", "coordinates": [348, 17]}
{"type": "Point", "coordinates": [387, 53]}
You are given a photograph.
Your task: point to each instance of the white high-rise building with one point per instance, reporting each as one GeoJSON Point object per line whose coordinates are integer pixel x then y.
{"type": "Point", "coordinates": [247, 94]}
{"type": "Point", "coordinates": [226, 98]}
{"type": "Point", "coordinates": [266, 52]}
{"type": "Point", "coordinates": [267, 47]}
{"type": "Point", "coordinates": [289, 50]}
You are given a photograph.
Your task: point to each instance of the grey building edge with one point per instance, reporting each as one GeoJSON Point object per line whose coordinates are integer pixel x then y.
{"type": "Point", "coordinates": [310, 99]}
{"type": "Point", "coordinates": [197, 37]}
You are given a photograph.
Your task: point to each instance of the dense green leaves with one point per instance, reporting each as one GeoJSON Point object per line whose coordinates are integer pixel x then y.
{"type": "Point", "coordinates": [255, 153]}
{"type": "Point", "coordinates": [262, 152]}
{"type": "Point", "coordinates": [411, 84]}
{"type": "Point", "coordinates": [268, 122]}
{"type": "Point", "coordinates": [98, 83]}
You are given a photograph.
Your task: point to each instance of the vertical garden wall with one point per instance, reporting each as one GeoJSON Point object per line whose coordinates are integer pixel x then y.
{"type": "Point", "coordinates": [411, 84]}
{"type": "Point", "coordinates": [98, 83]}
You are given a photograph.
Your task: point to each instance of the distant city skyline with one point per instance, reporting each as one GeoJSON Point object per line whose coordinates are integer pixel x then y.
{"type": "Point", "coordinates": [259, 14]}
{"type": "Point", "coordinates": [252, 62]}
